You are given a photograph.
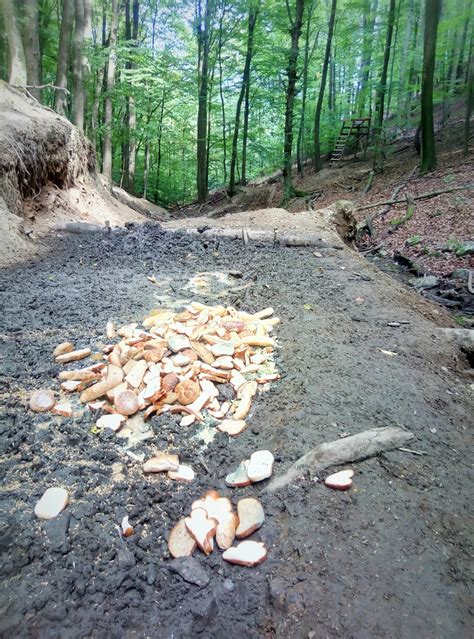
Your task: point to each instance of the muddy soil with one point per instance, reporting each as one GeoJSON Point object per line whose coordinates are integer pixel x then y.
{"type": "Point", "coordinates": [388, 559]}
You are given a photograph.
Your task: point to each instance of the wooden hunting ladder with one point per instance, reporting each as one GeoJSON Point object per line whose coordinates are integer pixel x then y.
{"type": "Point", "coordinates": [358, 128]}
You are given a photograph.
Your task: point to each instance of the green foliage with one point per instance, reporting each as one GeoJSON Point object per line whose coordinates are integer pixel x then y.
{"type": "Point", "coordinates": [158, 73]}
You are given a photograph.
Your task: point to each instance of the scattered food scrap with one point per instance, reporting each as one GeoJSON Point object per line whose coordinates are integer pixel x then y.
{"type": "Point", "coordinates": [247, 553]}
{"type": "Point", "coordinates": [341, 480]}
{"type": "Point", "coordinates": [212, 517]}
{"type": "Point", "coordinates": [205, 363]}
{"type": "Point", "coordinates": [250, 471]}
{"type": "Point", "coordinates": [53, 502]}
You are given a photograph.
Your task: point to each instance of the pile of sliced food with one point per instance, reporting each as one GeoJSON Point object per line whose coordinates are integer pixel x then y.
{"type": "Point", "coordinates": [213, 517]}
{"type": "Point", "coordinates": [175, 363]}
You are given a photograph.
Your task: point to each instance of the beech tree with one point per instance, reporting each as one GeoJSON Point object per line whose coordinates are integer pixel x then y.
{"type": "Point", "coordinates": [179, 94]}
{"type": "Point", "coordinates": [17, 60]}
{"type": "Point", "coordinates": [428, 148]}
{"type": "Point", "coordinates": [318, 164]}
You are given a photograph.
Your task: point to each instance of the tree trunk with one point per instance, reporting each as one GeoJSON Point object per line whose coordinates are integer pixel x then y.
{"type": "Point", "coordinates": [307, 56]}
{"type": "Point", "coordinates": [296, 24]}
{"type": "Point", "coordinates": [203, 80]}
{"type": "Point", "coordinates": [16, 51]}
{"type": "Point", "coordinates": [380, 98]}
{"type": "Point", "coordinates": [245, 133]}
{"type": "Point", "coordinates": [428, 148]}
{"type": "Point", "coordinates": [318, 164]}
{"type": "Point", "coordinates": [32, 47]}
{"type": "Point", "coordinates": [79, 97]}
{"type": "Point", "coordinates": [221, 94]}
{"type": "Point", "coordinates": [368, 25]}
{"type": "Point", "coordinates": [252, 21]}
{"type": "Point", "coordinates": [108, 113]}
{"type": "Point", "coordinates": [132, 115]}
{"type": "Point", "coordinates": [60, 102]}
{"type": "Point", "coordinates": [469, 102]}
{"type": "Point", "coordinates": [403, 63]}
{"type": "Point", "coordinates": [159, 154]}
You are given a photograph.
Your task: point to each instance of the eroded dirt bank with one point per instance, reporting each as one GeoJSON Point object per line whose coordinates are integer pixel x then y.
{"type": "Point", "coordinates": [389, 559]}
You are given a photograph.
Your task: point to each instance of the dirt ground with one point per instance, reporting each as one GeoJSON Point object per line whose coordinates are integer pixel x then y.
{"type": "Point", "coordinates": [388, 559]}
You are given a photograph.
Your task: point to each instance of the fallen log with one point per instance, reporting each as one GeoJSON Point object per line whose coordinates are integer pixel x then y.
{"type": "Point", "coordinates": [350, 449]}
{"type": "Point", "coordinates": [288, 239]}
{"type": "Point", "coordinates": [423, 196]}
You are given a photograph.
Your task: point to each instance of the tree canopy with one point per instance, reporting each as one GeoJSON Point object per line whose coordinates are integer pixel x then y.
{"type": "Point", "coordinates": [180, 97]}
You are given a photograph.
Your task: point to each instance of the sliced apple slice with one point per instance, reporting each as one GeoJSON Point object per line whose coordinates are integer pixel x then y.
{"type": "Point", "coordinates": [53, 501]}
{"type": "Point", "coordinates": [251, 516]}
{"type": "Point", "coordinates": [202, 528]}
{"type": "Point", "coordinates": [180, 542]}
{"type": "Point", "coordinates": [260, 466]}
{"type": "Point", "coordinates": [247, 553]}
{"type": "Point", "coordinates": [341, 480]}
{"type": "Point", "coordinates": [113, 421]}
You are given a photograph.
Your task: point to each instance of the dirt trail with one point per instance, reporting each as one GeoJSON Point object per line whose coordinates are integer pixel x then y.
{"type": "Point", "coordinates": [388, 559]}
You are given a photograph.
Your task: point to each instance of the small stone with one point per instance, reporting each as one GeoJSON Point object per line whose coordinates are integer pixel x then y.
{"type": "Point", "coordinates": [42, 400]}
{"type": "Point", "coordinates": [427, 281]}
{"type": "Point", "coordinates": [178, 343]}
{"type": "Point", "coordinates": [190, 570]}
{"type": "Point", "coordinates": [53, 501]}
{"type": "Point", "coordinates": [317, 254]}
{"type": "Point", "coordinates": [161, 462]}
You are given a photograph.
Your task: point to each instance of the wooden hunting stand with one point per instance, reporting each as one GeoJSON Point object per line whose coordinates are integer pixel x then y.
{"type": "Point", "coordinates": [356, 129]}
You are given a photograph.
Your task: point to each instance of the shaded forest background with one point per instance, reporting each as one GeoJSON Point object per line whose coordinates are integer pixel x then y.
{"type": "Point", "coordinates": [180, 97]}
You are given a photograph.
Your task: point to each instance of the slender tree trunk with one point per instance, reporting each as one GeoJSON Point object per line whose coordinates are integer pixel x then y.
{"type": "Point", "coordinates": [203, 81]}
{"type": "Point", "coordinates": [245, 133]}
{"type": "Point", "coordinates": [307, 56]}
{"type": "Point", "coordinates": [392, 62]}
{"type": "Point", "coordinates": [469, 102]}
{"type": "Point", "coordinates": [32, 47]}
{"type": "Point", "coordinates": [403, 62]}
{"type": "Point", "coordinates": [60, 103]}
{"type": "Point", "coordinates": [252, 21]}
{"type": "Point", "coordinates": [108, 112]}
{"type": "Point", "coordinates": [77, 76]}
{"type": "Point", "coordinates": [159, 154]}
{"type": "Point", "coordinates": [132, 115]}
{"type": "Point", "coordinates": [221, 94]}
{"type": "Point", "coordinates": [296, 24]}
{"type": "Point", "coordinates": [368, 26]}
{"type": "Point", "coordinates": [428, 147]}
{"type": "Point", "coordinates": [16, 51]}
{"type": "Point", "coordinates": [381, 92]}
{"type": "Point", "coordinates": [318, 164]}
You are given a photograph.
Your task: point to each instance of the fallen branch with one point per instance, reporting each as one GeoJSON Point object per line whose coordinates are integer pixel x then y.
{"type": "Point", "coordinates": [247, 235]}
{"type": "Point", "coordinates": [350, 449]}
{"type": "Point", "coordinates": [423, 196]}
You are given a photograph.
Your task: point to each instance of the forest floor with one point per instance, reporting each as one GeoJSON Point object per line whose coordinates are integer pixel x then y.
{"type": "Point", "coordinates": [390, 558]}
{"type": "Point", "coordinates": [426, 244]}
